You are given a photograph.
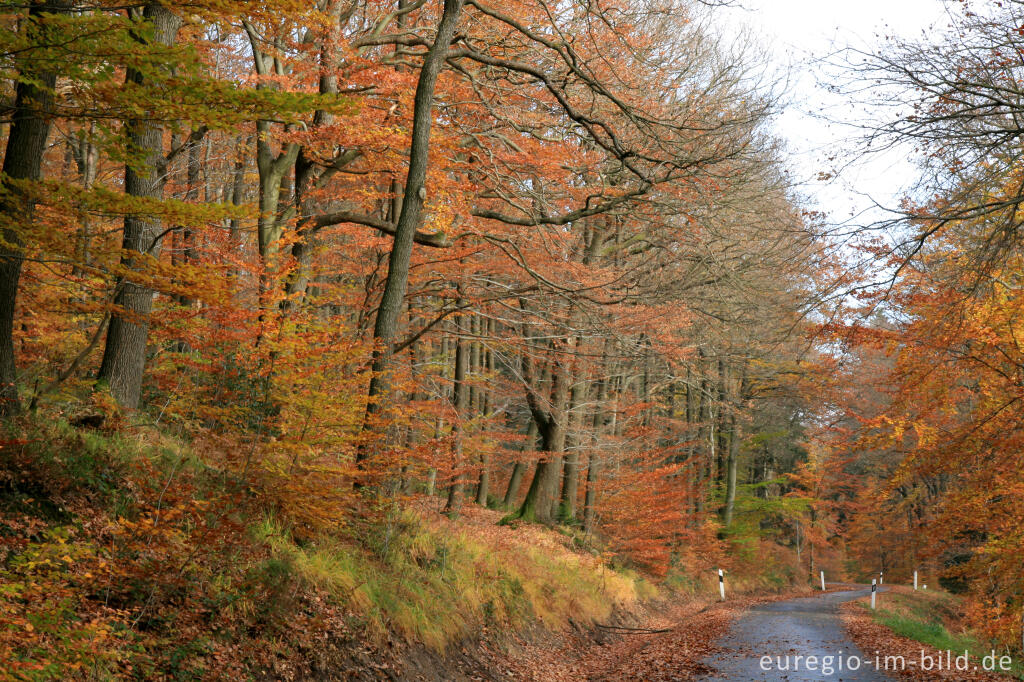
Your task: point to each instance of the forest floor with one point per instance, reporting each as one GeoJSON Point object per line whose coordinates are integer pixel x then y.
{"type": "Point", "coordinates": [663, 637]}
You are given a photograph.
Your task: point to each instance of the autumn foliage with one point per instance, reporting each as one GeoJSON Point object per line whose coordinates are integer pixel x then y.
{"type": "Point", "coordinates": [278, 273]}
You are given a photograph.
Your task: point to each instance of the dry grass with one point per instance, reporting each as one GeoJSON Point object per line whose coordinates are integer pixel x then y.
{"type": "Point", "coordinates": [435, 581]}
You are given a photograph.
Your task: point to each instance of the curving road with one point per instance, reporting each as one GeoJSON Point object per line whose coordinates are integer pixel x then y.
{"type": "Point", "coordinates": [800, 640]}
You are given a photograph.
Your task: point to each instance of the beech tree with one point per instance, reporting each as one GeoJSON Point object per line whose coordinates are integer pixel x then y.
{"type": "Point", "coordinates": [23, 163]}
{"type": "Point", "coordinates": [124, 354]}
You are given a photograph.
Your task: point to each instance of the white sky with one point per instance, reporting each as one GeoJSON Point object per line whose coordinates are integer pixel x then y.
{"type": "Point", "coordinates": [796, 33]}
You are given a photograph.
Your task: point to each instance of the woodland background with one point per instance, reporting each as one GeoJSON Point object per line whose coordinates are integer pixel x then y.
{"type": "Point", "coordinates": [281, 281]}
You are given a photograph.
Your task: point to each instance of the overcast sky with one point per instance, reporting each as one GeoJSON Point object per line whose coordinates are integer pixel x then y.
{"type": "Point", "coordinates": [797, 33]}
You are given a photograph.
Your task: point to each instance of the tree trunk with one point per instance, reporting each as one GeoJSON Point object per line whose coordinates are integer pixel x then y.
{"type": "Point", "coordinates": [183, 252]}
{"type": "Point", "coordinates": [593, 465]}
{"type": "Point", "coordinates": [460, 399]}
{"type": "Point", "coordinates": [86, 156]}
{"type": "Point", "coordinates": [124, 356]}
{"type": "Point", "coordinates": [734, 445]}
{"type": "Point", "coordinates": [541, 496]}
{"type": "Point", "coordinates": [691, 469]}
{"type": "Point", "coordinates": [23, 160]}
{"type": "Point", "coordinates": [307, 170]}
{"type": "Point", "coordinates": [730, 478]}
{"type": "Point", "coordinates": [571, 473]}
{"type": "Point", "coordinates": [705, 464]}
{"type": "Point", "coordinates": [386, 325]}
{"type": "Point", "coordinates": [483, 489]}
{"type": "Point", "coordinates": [515, 481]}
{"type": "Point", "coordinates": [721, 431]}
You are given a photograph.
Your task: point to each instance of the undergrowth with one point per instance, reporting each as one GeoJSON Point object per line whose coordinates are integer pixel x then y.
{"type": "Point", "coordinates": [127, 553]}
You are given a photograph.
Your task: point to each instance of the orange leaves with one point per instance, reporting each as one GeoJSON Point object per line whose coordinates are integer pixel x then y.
{"type": "Point", "coordinates": [943, 435]}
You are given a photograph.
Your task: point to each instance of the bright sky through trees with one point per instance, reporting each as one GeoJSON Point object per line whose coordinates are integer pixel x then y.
{"type": "Point", "coordinates": [818, 125]}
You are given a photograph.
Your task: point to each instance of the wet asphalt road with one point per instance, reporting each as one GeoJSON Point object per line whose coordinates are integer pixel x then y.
{"type": "Point", "coordinates": [786, 630]}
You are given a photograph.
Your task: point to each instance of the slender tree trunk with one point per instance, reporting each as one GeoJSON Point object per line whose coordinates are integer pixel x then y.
{"type": "Point", "coordinates": [594, 462]}
{"type": "Point", "coordinates": [237, 194]}
{"type": "Point", "coordinates": [416, 397]}
{"type": "Point", "coordinates": [439, 422]}
{"type": "Point", "coordinates": [722, 432]}
{"type": "Point", "coordinates": [731, 466]}
{"type": "Point", "coordinates": [483, 489]}
{"type": "Point", "coordinates": [706, 465]}
{"type": "Point", "coordinates": [124, 356]}
{"type": "Point", "coordinates": [184, 240]}
{"type": "Point", "coordinates": [460, 399]}
{"type": "Point", "coordinates": [691, 470]}
{"type": "Point", "coordinates": [734, 445]}
{"type": "Point", "coordinates": [86, 156]}
{"type": "Point", "coordinates": [386, 325]}
{"type": "Point", "coordinates": [515, 481]}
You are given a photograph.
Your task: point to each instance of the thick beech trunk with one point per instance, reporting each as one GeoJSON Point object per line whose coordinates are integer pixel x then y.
{"type": "Point", "coordinates": [23, 160]}
{"type": "Point", "coordinates": [308, 170]}
{"type": "Point", "coordinates": [540, 500]}
{"type": "Point", "coordinates": [124, 356]}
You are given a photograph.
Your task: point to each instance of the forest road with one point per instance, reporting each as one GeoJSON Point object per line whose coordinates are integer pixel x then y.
{"type": "Point", "coordinates": [796, 640]}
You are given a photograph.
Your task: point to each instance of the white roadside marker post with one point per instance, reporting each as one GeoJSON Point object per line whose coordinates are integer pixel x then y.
{"type": "Point", "coordinates": [915, 580]}
{"type": "Point", "coordinates": [881, 578]}
{"type": "Point", "coordinates": [873, 588]}
{"type": "Point", "coordinates": [925, 586]}
{"type": "Point", "coordinates": [823, 581]}
{"type": "Point", "coordinates": [721, 584]}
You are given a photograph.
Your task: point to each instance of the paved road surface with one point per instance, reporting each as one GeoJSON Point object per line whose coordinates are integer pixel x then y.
{"type": "Point", "coordinates": [799, 628]}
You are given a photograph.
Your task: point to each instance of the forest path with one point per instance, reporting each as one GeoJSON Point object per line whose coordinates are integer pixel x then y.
{"type": "Point", "coordinates": [799, 635]}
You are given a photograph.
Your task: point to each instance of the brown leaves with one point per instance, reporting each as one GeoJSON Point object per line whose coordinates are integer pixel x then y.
{"type": "Point", "coordinates": [874, 638]}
